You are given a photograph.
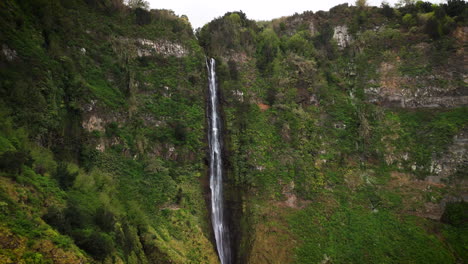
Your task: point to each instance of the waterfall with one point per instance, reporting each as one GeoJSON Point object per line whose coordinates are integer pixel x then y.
{"type": "Point", "coordinates": [216, 170]}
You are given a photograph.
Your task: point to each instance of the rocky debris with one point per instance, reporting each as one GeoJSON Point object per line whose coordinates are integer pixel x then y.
{"type": "Point", "coordinates": [9, 53]}
{"type": "Point", "coordinates": [342, 37]}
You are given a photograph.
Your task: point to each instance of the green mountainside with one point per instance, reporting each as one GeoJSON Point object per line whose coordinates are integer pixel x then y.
{"type": "Point", "coordinates": [345, 134]}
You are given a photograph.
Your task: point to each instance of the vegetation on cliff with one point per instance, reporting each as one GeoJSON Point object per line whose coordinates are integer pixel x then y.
{"type": "Point", "coordinates": [327, 122]}
{"type": "Point", "coordinates": [101, 136]}
{"type": "Point", "coordinates": [345, 134]}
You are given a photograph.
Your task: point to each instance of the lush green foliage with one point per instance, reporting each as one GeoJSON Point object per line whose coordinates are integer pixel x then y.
{"type": "Point", "coordinates": [102, 142]}
{"type": "Point", "coordinates": [299, 122]}
{"type": "Point", "coordinates": [76, 61]}
{"type": "Point", "coordinates": [357, 235]}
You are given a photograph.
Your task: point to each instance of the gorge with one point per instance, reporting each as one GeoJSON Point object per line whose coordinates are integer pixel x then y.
{"type": "Point", "coordinates": [325, 137]}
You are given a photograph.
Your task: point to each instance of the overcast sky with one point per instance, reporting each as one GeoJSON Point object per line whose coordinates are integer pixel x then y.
{"type": "Point", "coordinates": [201, 12]}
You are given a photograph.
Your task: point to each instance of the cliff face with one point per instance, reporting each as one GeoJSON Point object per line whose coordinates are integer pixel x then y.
{"type": "Point", "coordinates": [343, 124]}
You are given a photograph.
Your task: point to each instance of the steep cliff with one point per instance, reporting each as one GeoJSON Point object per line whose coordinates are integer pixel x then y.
{"type": "Point", "coordinates": [346, 133]}
{"type": "Point", "coordinates": [102, 135]}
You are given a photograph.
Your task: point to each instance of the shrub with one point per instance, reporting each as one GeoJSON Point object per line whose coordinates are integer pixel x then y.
{"type": "Point", "coordinates": [456, 214]}
{"type": "Point", "coordinates": [387, 10]}
{"type": "Point", "coordinates": [105, 219]}
{"type": "Point", "coordinates": [13, 161]}
{"type": "Point", "coordinates": [300, 45]}
{"type": "Point", "coordinates": [56, 218]}
{"type": "Point", "coordinates": [233, 72]}
{"type": "Point", "coordinates": [143, 17]}
{"type": "Point", "coordinates": [267, 49]}
{"type": "Point", "coordinates": [424, 7]}
{"type": "Point", "coordinates": [64, 177]}
{"type": "Point", "coordinates": [97, 244]}
{"type": "Point", "coordinates": [408, 20]}
{"type": "Point", "coordinates": [455, 7]}
{"type": "Point", "coordinates": [433, 28]}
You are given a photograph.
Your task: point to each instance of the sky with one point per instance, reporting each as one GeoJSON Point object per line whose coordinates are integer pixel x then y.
{"type": "Point", "coordinates": [201, 12]}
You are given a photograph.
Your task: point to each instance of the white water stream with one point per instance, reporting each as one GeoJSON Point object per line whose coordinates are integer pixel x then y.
{"type": "Point", "coordinates": [216, 170]}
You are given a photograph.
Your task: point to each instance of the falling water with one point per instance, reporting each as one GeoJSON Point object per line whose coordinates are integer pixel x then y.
{"type": "Point", "coordinates": [216, 171]}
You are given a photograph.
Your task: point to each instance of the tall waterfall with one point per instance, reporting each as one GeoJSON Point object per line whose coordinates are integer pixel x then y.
{"type": "Point", "coordinates": [216, 170]}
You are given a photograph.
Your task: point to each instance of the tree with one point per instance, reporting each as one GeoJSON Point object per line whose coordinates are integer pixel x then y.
{"type": "Point", "coordinates": [134, 4]}
{"type": "Point", "coordinates": [267, 49]}
{"type": "Point", "coordinates": [13, 161]}
{"type": "Point", "coordinates": [143, 16]}
{"type": "Point", "coordinates": [455, 7]}
{"type": "Point", "coordinates": [361, 3]}
{"type": "Point", "coordinates": [387, 10]}
{"type": "Point", "coordinates": [64, 177]}
{"type": "Point", "coordinates": [402, 3]}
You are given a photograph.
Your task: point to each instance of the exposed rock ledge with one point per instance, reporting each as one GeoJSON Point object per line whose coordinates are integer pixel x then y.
{"type": "Point", "coordinates": [148, 47]}
{"type": "Point", "coordinates": [405, 101]}
{"type": "Point", "coordinates": [342, 37]}
{"type": "Point", "coordinates": [453, 160]}
{"type": "Point", "coordinates": [140, 47]}
{"type": "Point", "coordinates": [394, 90]}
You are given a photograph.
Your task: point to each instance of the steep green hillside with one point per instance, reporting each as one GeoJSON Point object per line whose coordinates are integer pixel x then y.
{"type": "Point", "coordinates": [346, 133]}
{"type": "Point", "coordinates": [101, 135]}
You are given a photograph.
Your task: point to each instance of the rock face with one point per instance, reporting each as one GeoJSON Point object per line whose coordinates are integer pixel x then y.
{"type": "Point", "coordinates": [455, 159]}
{"type": "Point", "coordinates": [141, 47]}
{"type": "Point", "coordinates": [430, 97]}
{"type": "Point", "coordinates": [9, 53]}
{"type": "Point", "coordinates": [148, 47]}
{"type": "Point", "coordinates": [396, 90]}
{"type": "Point", "coordinates": [342, 37]}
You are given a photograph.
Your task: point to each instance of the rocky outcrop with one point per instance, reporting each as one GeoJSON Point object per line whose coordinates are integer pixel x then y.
{"type": "Point", "coordinates": [140, 47]}
{"type": "Point", "coordinates": [96, 119]}
{"type": "Point", "coordinates": [396, 90]}
{"type": "Point", "coordinates": [146, 47]}
{"type": "Point", "coordinates": [342, 37]}
{"type": "Point", "coordinates": [8, 53]}
{"type": "Point", "coordinates": [454, 160]}
{"type": "Point", "coordinates": [428, 97]}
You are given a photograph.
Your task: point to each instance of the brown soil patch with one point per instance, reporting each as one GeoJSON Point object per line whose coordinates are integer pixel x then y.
{"type": "Point", "coordinates": [273, 242]}
{"type": "Point", "coordinates": [263, 106]}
